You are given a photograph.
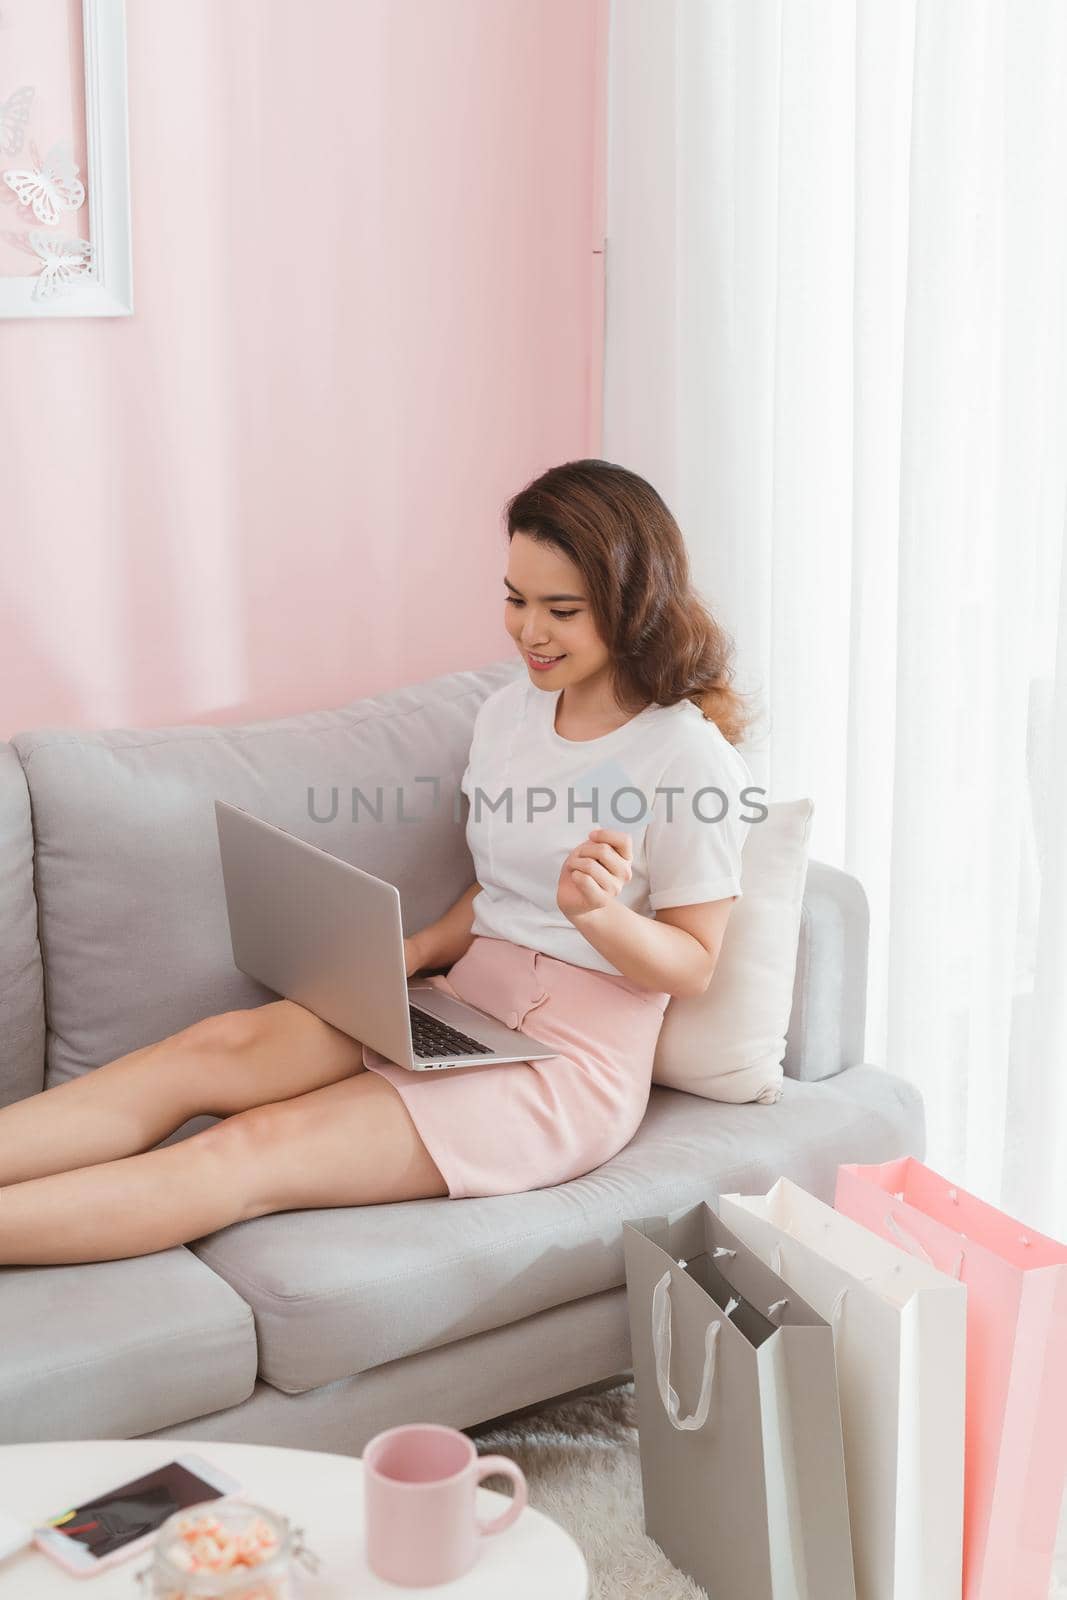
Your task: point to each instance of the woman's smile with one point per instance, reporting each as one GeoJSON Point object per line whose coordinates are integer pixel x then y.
{"type": "Point", "coordinates": [547, 601]}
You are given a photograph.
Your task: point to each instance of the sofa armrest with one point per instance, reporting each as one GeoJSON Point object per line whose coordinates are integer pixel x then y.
{"type": "Point", "coordinates": [827, 1023]}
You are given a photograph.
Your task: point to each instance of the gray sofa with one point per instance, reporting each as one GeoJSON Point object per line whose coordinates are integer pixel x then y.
{"type": "Point", "coordinates": [319, 1328]}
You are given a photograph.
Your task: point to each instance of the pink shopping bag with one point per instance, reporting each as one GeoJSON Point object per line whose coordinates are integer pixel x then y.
{"type": "Point", "coordinates": [1016, 1431]}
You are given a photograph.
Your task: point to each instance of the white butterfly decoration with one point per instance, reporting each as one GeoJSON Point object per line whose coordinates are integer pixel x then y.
{"type": "Point", "coordinates": [67, 262]}
{"type": "Point", "coordinates": [53, 186]}
{"type": "Point", "coordinates": [14, 117]}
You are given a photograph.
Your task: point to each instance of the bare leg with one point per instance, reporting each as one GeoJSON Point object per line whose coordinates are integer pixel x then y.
{"type": "Point", "coordinates": [220, 1066]}
{"type": "Point", "coordinates": [348, 1143]}
{"type": "Point", "coordinates": [119, 1208]}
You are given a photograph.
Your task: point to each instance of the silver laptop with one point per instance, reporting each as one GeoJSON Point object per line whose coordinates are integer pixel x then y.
{"type": "Point", "coordinates": [329, 935]}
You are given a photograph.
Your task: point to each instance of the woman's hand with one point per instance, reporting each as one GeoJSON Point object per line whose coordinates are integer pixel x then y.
{"type": "Point", "coordinates": [595, 872]}
{"type": "Point", "coordinates": [412, 955]}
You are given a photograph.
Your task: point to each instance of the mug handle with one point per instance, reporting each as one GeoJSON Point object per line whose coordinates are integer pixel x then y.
{"type": "Point", "coordinates": [487, 1465]}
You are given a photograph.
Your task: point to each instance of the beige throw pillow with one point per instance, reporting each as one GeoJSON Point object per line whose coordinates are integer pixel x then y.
{"type": "Point", "coordinates": [729, 1043]}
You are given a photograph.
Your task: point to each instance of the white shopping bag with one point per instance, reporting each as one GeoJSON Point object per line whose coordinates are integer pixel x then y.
{"type": "Point", "coordinates": [900, 1341]}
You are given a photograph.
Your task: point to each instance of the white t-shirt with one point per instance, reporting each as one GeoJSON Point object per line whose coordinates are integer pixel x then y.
{"type": "Point", "coordinates": [532, 793]}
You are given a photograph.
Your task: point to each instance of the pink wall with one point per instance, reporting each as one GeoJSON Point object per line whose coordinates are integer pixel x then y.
{"type": "Point", "coordinates": [368, 308]}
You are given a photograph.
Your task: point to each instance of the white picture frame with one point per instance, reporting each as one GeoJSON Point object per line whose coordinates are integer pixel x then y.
{"type": "Point", "coordinates": [108, 288]}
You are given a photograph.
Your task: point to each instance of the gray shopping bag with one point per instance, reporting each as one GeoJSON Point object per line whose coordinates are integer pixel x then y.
{"type": "Point", "coordinates": [739, 1424]}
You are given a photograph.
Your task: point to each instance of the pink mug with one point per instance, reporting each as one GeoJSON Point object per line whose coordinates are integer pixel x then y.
{"type": "Point", "coordinates": [419, 1484]}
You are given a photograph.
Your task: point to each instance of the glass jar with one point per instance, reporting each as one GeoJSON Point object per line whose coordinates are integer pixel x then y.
{"type": "Point", "coordinates": [169, 1577]}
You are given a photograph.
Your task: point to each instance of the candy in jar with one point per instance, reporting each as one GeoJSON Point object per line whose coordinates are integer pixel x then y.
{"type": "Point", "coordinates": [226, 1549]}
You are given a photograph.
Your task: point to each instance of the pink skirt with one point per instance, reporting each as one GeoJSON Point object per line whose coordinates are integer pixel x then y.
{"type": "Point", "coordinates": [510, 1126]}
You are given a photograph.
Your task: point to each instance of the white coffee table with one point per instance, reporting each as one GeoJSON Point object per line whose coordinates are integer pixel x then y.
{"type": "Point", "coordinates": [323, 1494]}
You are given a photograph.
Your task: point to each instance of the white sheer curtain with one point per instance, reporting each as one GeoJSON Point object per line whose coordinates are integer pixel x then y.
{"type": "Point", "coordinates": [836, 343]}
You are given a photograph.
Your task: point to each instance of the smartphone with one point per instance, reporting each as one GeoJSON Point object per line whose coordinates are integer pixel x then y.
{"type": "Point", "coordinates": [106, 1529]}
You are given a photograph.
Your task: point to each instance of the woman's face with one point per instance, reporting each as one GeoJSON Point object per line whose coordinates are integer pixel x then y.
{"type": "Point", "coordinates": [548, 615]}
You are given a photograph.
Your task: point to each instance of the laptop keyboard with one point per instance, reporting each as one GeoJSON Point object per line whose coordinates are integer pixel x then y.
{"type": "Point", "coordinates": [432, 1039]}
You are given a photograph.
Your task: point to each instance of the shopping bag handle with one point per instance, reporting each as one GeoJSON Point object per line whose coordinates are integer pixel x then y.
{"type": "Point", "coordinates": [840, 1297]}
{"type": "Point", "coordinates": [913, 1245]}
{"type": "Point", "coordinates": [773, 1310]}
{"type": "Point", "coordinates": [917, 1248]}
{"type": "Point", "coordinates": [661, 1345]}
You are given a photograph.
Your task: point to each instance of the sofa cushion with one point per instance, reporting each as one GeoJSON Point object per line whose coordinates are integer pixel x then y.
{"type": "Point", "coordinates": [338, 1291]}
{"type": "Point", "coordinates": [132, 908]}
{"type": "Point", "coordinates": [827, 1025]}
{"type": "Point", "coordinates": [728, 1043]}
{"type": "Point", "coordinates": [21, 982]}
{"type": "Point", "coordinates": [109, 1349]}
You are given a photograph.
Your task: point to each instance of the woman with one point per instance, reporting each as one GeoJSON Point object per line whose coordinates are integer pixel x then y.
{"type": "Point", "coordinates": [608, 746]}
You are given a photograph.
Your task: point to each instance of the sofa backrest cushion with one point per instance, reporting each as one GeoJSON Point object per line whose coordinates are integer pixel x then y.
{"type": "Point", "coordinates": [22, 1025]}
{"type": "Point", "coordinates": [133, 922]}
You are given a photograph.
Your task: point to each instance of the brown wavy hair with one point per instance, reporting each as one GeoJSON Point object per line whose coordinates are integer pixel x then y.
{"type": "Point", "coordinates": [664, 643]}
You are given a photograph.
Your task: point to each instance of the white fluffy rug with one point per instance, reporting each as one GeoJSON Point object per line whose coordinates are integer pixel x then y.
{"type": "Point", "coordinates": [581, 1462]}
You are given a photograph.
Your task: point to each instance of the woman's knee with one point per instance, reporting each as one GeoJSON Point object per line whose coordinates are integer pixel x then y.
{"type": "Point", "coordinates": [216, 1059]}
{"type": "Point", "coordinates": [228, 1032]}
{"type": "Point", "coordinates": [267, 1161]}
{"type": "Point", "coordinates": [240, 1060]}
{"type": "Point", "coordinates": [239, 1149]}
{"type": "Point", "coordinates": [344, 1144]}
